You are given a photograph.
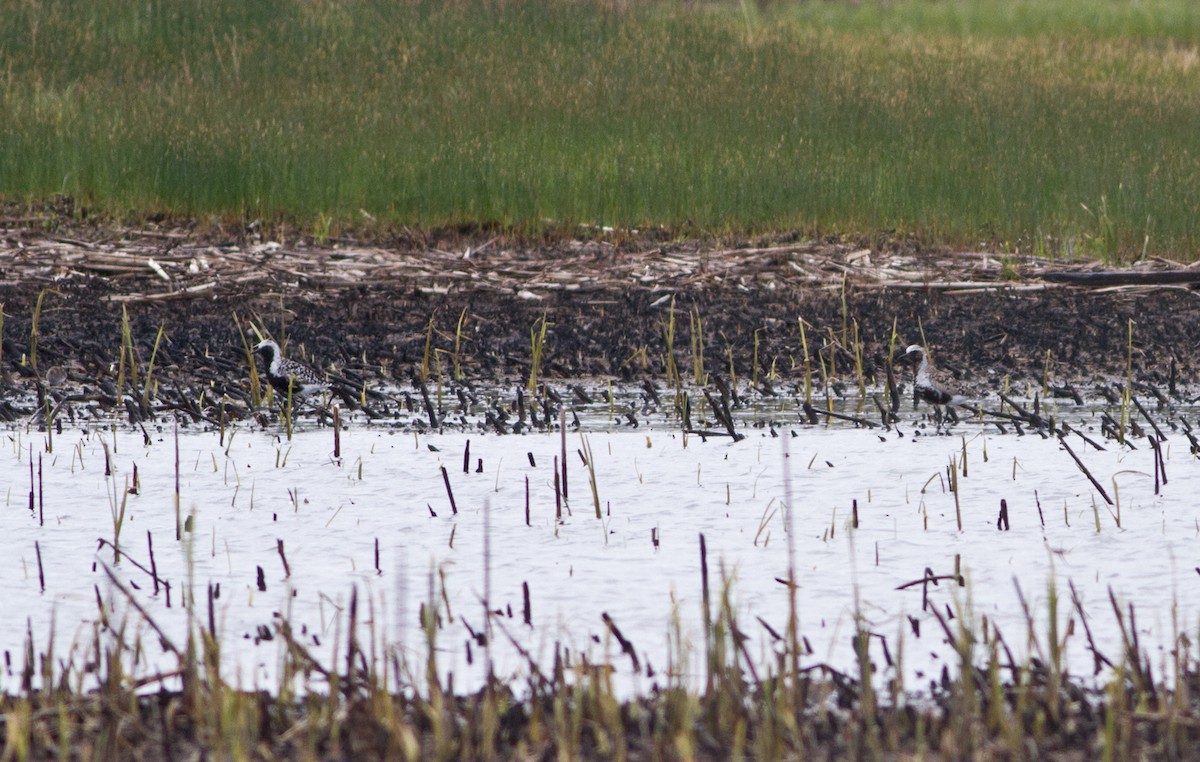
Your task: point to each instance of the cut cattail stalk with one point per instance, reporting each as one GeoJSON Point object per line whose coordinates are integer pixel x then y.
{"type": "Point", "coordinates": [153, 563]}
{"type": "Point", "coordinates": [287, 570]}
{"type": "Point", "coordinates": [527, 610]}
{"type": "Point", "coordinates": [557, 492]}
{"type": "Point", "coordinates": [1086, 472]}
{"type": "Point", "coordinates": [337, 432]}
{"type": "Point", "coordinates": [562, 430]}
{"type": "Point", "coordinates": [41, 573]}
{"type": "Point", "coordinates": [449, 492]}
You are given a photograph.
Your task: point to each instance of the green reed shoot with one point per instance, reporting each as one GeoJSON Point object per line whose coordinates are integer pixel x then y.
{"type": "Point", "coordinates": [732, 369]}
{"type": "Point", "coordinates": [287, 410]}
{"type": "Point", "coordinates": [537, 345]}
{"type": "Point", "coordinates": [668, 330]}
{"type": "Point", "coordinates": [825, 383]}
{"type": "Point", "coordinates": [845, 312]}
{"type": "Point", "coordinates": [699, 377]}
{"type": "Point", "coordinates": [952, 472]}
{"type": "Point", "coordinates": [127, 368]}
{"type": "Point", "coordinates": [33, 330]}
{"type": "Point", "coordinates": [255, 385]}
{"type": "Point", "coordinates": [807, 362]}
{"type": "Point", "coordinates": [150, 367]}
{"type": "Point", "coordinates": [428, 347]}
{"type": "Point", "coordinates": [893, 340]}
{"type": "Point", "coordinates": [858, 368]}
{"type": "Point", "coordinates": [458, 339]}
{"type": "Point", "coordinates": [754, 361]}
{"type": "Point", "coordinates": [116, 506]}
{"type": "Point", "coordinates": [1127, 392]}
{"type": "Point", "coordinates": [833, 347]}
{"type": "Point", "coordinates": [591, 467]}
{"type": "Point", "coordinates": [437, 362]}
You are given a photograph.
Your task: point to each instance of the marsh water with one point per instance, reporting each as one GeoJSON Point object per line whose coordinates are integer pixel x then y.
{"type": "Point", "coordinates": [570, 537]}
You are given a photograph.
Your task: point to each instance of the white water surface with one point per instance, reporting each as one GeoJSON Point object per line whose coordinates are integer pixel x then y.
{"type": "Point", "coordinates": [245, 494]}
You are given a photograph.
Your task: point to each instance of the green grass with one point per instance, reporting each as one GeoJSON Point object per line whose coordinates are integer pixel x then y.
{"type": "Point", "coordinates": [1049, 127]}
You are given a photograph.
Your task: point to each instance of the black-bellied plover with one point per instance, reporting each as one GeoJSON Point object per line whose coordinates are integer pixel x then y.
{"type": "Point", "coordinates": [283, 373]}
{"type": "Point", "coordinates": [932, 385]}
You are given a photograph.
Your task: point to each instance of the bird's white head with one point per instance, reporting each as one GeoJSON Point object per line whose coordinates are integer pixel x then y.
{"type": "Point", "coordinates": [915, 349]}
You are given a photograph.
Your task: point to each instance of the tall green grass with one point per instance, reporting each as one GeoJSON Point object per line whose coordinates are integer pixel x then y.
{"type": "Point", "coordinates": [1066, 125]}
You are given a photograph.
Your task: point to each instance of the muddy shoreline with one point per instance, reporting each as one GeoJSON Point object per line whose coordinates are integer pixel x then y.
{"type": "Point", "coordinates": [364, 309]}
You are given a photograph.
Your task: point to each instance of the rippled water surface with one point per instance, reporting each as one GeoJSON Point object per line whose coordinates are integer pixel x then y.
{"type": "Point", "coordinates": [379, 519]}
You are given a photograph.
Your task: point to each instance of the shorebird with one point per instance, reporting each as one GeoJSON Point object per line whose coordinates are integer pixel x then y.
{"type": "Point", "coordinates": [283, 373]}
{"type": "Point", "coordinates": [932, 385]}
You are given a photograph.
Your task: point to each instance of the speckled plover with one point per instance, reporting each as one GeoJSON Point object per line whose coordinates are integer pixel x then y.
{"type": "Point", "coordinates": [282, 373]}
{"type": "Point", "coordinates": [932, 385]}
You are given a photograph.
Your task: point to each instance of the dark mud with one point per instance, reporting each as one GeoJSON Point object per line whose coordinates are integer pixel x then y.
{"type": "Point", "coordinates": [606, 321]}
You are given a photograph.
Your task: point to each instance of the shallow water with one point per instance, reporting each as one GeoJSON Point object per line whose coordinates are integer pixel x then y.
{"type": "Point", "coordinates": [658, 490]}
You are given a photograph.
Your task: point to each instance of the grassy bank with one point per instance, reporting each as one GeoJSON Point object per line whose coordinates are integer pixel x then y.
{"type": "Point", "coordinates": [1049, 127]}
